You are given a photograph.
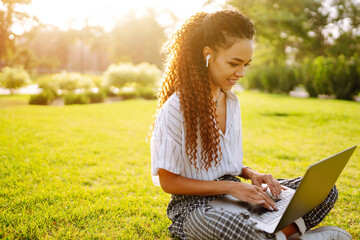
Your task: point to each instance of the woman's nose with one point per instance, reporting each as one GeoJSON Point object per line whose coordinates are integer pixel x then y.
{"type": "Point", "coordinates": [240, 72]}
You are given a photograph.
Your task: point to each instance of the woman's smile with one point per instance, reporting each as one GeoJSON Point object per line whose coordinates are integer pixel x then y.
{"type": "Point", "coordinates": [232, 81]}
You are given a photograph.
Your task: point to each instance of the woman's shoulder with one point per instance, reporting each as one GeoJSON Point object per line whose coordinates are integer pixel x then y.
{"type": "Point", "coordinates": [170, 115]}
{"type": "Point", "coordinates": [174, 98]}
{"type": "Point", "coordinates": [171, 108]}
{"type": "Point", "coordinates": [173, 104]}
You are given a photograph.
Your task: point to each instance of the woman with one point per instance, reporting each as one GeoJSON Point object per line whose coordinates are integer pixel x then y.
{"type": "Point", "coordinates": [196, 145]}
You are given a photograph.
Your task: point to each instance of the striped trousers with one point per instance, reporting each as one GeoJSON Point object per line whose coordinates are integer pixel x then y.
{"type": "Point", "coordinates": [206, 223]}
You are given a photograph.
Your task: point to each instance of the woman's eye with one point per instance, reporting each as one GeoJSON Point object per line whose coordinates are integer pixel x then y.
{"type": "Point", "coordinates": [233, 64]}
{"type": "Point", "coordinates": [246, 65]}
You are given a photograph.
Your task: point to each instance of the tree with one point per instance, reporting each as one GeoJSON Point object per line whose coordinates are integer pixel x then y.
{"type": "Point", "coordinates": [8, 16]}
{"type": "Point", "coordinates": [99, 46]}
{"type": "Point", "coordinates": [302, 27]}
{"type": "Point", "coordinates": [51, 45]}
{"type": "Point", "coordinates": [287, 24]}
{"type": "Point", "coordinates": [71, 50]}
{"type": "Point", "coordinates": [139, 39]}
{"type": "Point", "coordinates": [46, 64]}
{"type": "Point", "coordinates": [24, 57]}
{"type": "Point", "coordinates": [92, 48]}
{"type": "Point", "coordinates": [347, 21]}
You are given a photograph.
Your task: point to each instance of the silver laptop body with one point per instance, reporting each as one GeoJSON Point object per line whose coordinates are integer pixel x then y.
{"type": "Point", "coordinates": [313, 190]}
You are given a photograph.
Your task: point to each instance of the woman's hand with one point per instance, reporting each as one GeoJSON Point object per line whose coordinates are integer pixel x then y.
{"type": "Point", "coordinates": [259, 178]}
{"type": "Point", "coordinates": [252, 194]}
{"type": "Point", "coordinates": [176, 184]}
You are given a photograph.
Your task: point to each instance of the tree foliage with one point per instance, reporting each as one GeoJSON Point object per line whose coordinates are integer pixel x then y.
{"type": "Point", "coordinates": [8, 16]}
{"type": "Point", "coordinates": [304, 28]}
{"type": "Point", "coordinates": [24, 57]}
{"type": "Point", "coordinates": [92, 48]}
{"type": "Point", "coordinates": [332, 76]}
{"type": "Point", "coordinates": [311, 42]}
{"type": "Point", "coordinates": [139, 39]}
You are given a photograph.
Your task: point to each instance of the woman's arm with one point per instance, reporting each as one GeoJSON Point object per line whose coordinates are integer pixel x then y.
{"type": "Point", "coordinates": [176, 184]}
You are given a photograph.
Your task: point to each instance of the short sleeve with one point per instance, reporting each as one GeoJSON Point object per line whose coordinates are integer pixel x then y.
{"type": "Point", "coordinates": [166, 147]}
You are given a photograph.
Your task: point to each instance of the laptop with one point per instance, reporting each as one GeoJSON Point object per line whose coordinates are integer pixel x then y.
{"type": "Point", "coordinates": [313, 190]}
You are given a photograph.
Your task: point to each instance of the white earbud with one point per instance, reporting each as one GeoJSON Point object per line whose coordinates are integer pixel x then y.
{"type": "Point", "coordinates": [207, 60]}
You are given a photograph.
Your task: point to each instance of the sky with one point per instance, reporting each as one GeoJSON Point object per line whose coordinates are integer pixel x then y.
{"type": "Point", "coordinates": [74, 13]}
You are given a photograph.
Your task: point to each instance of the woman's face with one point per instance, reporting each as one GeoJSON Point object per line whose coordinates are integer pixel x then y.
{"type": "Point", "coordinates": [229, 65]}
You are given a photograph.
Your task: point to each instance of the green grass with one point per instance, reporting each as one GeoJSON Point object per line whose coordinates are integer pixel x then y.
{"type": "Point", "coordinates": [11, 101]}
{"type": "Point", "coordinates": [83, 171]}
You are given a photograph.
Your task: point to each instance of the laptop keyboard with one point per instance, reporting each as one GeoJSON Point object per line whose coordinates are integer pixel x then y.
{"type": "Point", "coordinates": [266, 216]}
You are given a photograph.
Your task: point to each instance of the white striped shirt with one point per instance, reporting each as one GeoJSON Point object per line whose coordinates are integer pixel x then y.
{"type": "Point", "coordinates": [168, 143]}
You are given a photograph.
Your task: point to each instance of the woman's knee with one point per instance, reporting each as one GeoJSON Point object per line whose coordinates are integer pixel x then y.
{"type": "Point", "coordinates": [209, 223]}
{"type": "Point", "coordinates": [333, 195]}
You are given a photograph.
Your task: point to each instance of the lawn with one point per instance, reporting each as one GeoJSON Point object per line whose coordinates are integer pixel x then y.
{"type": "Point", "coordinates": [83, 171]}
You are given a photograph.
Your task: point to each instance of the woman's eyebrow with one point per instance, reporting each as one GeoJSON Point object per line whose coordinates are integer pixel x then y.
{"type": "Point", "coordinates": [239, 60]}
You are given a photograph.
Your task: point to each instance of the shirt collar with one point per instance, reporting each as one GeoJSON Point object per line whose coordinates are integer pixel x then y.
{"type": "Point", "coordinates": [231, 95]}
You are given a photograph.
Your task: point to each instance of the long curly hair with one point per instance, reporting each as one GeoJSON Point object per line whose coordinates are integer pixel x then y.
{"type": "Point", "coordinates": [186, 73]}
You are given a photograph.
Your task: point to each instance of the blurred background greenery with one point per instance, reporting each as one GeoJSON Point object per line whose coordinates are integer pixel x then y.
{"type": "Point", "coordinates": [82, 171]}
{"type": "Point", "coordinates": [311, 43]}
{"type": "Point", "coordinates": [307, 45]}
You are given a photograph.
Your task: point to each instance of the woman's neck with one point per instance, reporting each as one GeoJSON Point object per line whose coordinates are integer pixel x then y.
{"type": "Point", "coordinates": [216, 94]}
{"type": "Point", "coordinates": [215, 91]}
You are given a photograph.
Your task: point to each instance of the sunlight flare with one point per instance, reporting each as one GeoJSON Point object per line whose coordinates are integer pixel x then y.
{"type": "Point", "coordinates": [76, 14]}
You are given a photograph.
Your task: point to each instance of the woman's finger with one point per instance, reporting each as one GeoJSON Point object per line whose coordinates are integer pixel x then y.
{"type": "Point", "coordinates": [275, 187]}
{"type": "Point", "coordinates": [268, 202]}
{"type": "Point", "coordinates": [256, 201]}
{"type": "Point", "coordinates": [271, 186]}
{"type": "Point", "coordinates": [269, 205]}
{"type": "Point", "coordinates": [256, 195]}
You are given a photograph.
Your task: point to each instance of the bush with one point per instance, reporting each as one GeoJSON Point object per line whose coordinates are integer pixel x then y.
{"type": "Point", "coordinates": [332, 76]}
{"type": "Point", "coordinates": [147, 93]}
{"type": "Point", "coordinates": [269, 78]}
{"type": "Point", "coordinates": [110, 91]}
{"type": "Point", "coordinates": [14, 78]}
{"type": "Point", "coordinates": [279, 77]}
{"type": "Point", "coordinates": [147, 75]}
{"type": "Point", "coordinates": [124, 74]}
{"type": "Point", "coordinates": [72, 81]}
{"type": "Point", "coordinates": [126, 94]}
{"type": "Point", "coordinates": [306, 76]}
{"type": "Point", "coordinates": [73, 98]}
{"type": "Point", "coordinates": [47, 83]}
{"type": "Point", "coordinates": [119, 75]}
{"type": "Point", "coordinates": [43, 98]}
{"type": "Point", "coordinates": [339, 77]}
{"type": "Point", "coordinates": [323, 71]}
{"type": "Point", "coordinates": [97, 80]}
{"type": "Point", "coordinates": [289, 77]}
{"type": "Point", "coordinates": [97, 97]}
{"type": "Point", "coordinates": [346, 77]}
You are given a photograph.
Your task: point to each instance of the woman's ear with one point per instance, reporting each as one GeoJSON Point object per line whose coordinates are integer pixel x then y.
{"type": "Point", "coordinates": [207, 51]}
{"type": "Point", "coordinates": [208, 55]}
